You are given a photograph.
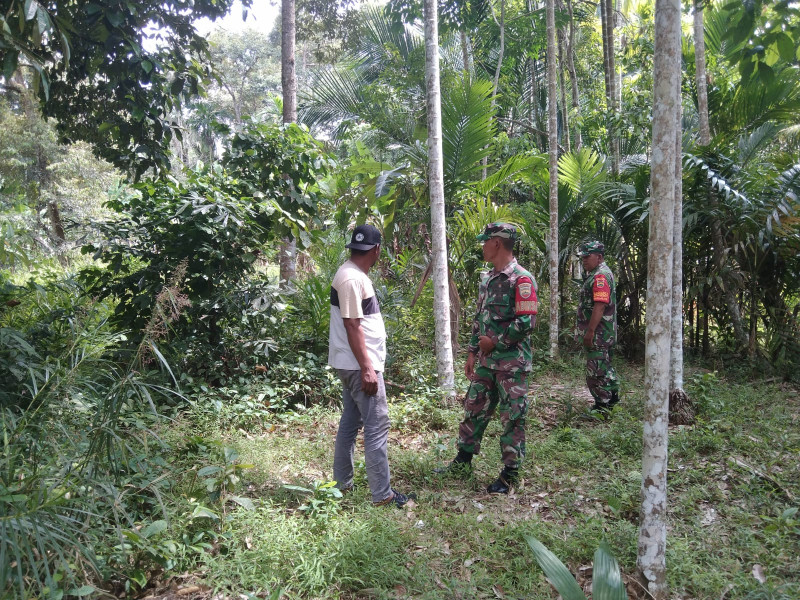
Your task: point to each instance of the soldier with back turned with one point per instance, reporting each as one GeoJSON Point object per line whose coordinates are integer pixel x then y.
{"type": "Point", "coordinates": [597, 326]}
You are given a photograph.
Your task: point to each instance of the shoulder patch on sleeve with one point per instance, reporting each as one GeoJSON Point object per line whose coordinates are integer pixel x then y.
{"type": "Point", "coordinates": [526, 302]}
{"type": "Point", "coordinates": [601, 291]}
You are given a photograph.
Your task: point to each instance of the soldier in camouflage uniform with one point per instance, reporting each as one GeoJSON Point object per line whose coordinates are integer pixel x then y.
{"type": "Point", "coordinates": [597, 325]}
{"type": "Point", "coordinates": [500, 344]}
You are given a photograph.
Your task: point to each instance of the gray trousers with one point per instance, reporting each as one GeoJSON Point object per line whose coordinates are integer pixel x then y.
{"type": "Point", "coordinates": [371, 413]}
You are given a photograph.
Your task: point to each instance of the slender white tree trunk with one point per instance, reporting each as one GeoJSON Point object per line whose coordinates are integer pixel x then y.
{"type": "Point", "coordinates": [666, 98]}
{"type": "Point", "coordinates": [441, 292]}
{"type": "Point", "coordinates": [676, 350]}
{"type": "Point", "coordinates": [288, 251]}
{"type": "Point", "coordinates": [700, 73]}
{"type": "Point", "coordinates": [573, 77]}
{"type": "Point", "coordinates": [552, 133]}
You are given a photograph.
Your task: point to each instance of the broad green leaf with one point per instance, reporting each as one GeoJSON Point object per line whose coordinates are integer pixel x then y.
{"type": "Point", "coordinates": [210, 470]}
{"type": "Point", "coordinates": [230, 454]}
{"type": "Point", "coordinates": [154, 528]}
{"type": "Point", "coordinates": [132, 535]}
{"type": "Point", "coordinates": [115, 17]}
{"type": "Point", "coordinates": [31, 6]}
{"type": "Point", "coordinates": [43, 21]}
{"type": "Point", "coordinates": [243, 502]}
{"type": "Point", "coordinates": [772, 54]}
{"type": "Point", "coordinates": [558, 575]}
{"type": "Point", "coordinates": [786, 47]}
{"type": "Point", "coordinates": [765, 73]}
{"type": "Point", "coordinates": [201, 512]}
{"type": "Point", "coordinates": [607, 581]}
{"type": "Point", "coordinates": [82, 591]}
{"type": "Point", "coordinates": [10, 61]}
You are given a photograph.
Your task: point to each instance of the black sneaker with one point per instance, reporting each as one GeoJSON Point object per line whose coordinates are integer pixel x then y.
{"type": "Point", "coordinates": [397, 499]}
{"type": "Point", "coordinates": [502, 485]}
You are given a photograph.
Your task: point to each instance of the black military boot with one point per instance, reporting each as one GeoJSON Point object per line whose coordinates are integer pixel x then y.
{"type": "Point", "coordinates": [461, 464]}
{"type": "Point", "coordinates": [508, 477]}
{"type": "Point", "coordinates": [614, 400]}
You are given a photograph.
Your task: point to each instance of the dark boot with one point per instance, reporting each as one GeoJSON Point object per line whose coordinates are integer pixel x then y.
{"type": "Point", "coordinates": [614, 400]}
{"type": "Point", "coordinates": [461, 464]}
{"type": "Point", "coordinates": [508, 477]}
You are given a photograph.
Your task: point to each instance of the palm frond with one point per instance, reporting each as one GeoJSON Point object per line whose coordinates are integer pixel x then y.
{"type": "Point", "coordinates": [519, 167]}
{"type": "Point", "coordinates": [336, 100]}
{"type": "Point", "coordinates": [381, 42]}
{"type": "Point", "coordinates": [582, 172]}
{"type": "Point", "coordinates": [716, 180]}
{"type": "Point", "coordinates": [470, 220]}
{"type": "Point", "coordinates": [467, 130]}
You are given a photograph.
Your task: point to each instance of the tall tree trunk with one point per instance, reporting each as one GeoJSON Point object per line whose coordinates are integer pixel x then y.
{"type": "Point", "coordinates": [552, 124]}
{"type": "Point", "coordinates": [676, 351]}
{"type": "Point", "coordinates": [465, 52]}
{"type": "Point", "coordinates": [573, 77]}
{"type": "Point", "coordinates": [751, 350]}
{"type": "Point", "coordinates": [57, 231]}
{"type": "Point", "coordinates": [562, 85]}
{"type": "Point", "coordinates": [604, 38]}
{"type": "Point", "coordinates": [700, 73]}
{"type": "Point", "coordinates": [441, 296]}
{"type": "Point", "coordinates": [680, 410]}
{"type": "Point", "coordinates": [502, 25]}
{"type": "Point", "coordinates": [607, 17]}
{"type": "Point", "coordinates": [666, 98]}
{"type": "Point", "coordinates": [288, 249]}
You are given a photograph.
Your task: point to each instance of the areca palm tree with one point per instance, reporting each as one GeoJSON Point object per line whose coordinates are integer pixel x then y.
{"type": "Point", "coordinates": [739, 185]}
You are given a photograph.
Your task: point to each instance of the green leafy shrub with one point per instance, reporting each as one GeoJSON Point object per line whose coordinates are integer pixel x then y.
{"type": "Point", "coordinates": [210, 228]}
{"type": "Point", "coordinates": [321, 499]}
{"type": "Point", "coordinates": [704, 390]}
{"type": "Point", "coordinates": [289, 384]}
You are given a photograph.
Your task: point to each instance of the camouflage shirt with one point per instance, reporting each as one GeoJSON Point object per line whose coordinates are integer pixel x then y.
{"type": "Point", "coordinates": [507, 307]}
{"type": "Point", "coordinates": [599, 286]}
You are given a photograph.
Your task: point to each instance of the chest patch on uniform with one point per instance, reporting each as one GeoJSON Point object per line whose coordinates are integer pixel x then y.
{"type": "Point", "coordinates": [601, 292]}
{"type": "Point", "coordinates": [526, 302]}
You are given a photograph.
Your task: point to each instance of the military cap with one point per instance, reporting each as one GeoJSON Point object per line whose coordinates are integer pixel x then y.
{"type": "Point", "coordinates": [593, 247]}
{"type": "Point", "coordinates": [501, 230]}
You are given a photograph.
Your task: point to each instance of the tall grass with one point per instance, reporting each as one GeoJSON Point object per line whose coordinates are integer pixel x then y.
{"type": "Point", "coordinates": [78, 429]}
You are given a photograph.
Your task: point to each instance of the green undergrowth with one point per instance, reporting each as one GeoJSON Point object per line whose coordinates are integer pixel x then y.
{"type": "Point", "coordinates": [734, 483]}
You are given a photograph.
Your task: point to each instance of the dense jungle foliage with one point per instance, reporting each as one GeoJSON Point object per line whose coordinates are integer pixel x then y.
{"type": "Point", "coordinates": [167, 412]}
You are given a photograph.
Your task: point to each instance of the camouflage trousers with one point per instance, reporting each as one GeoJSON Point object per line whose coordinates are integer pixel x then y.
{"type": "Point", "coordinates": [601, 378]}
{"type": "Point", "coordinates": [491, 389]}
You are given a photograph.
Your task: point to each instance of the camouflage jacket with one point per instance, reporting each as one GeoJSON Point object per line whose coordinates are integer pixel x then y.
{"type": "Point", "coordinates": [507, 307]}
{"type": "Point", "coordinates": [599, 285]}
